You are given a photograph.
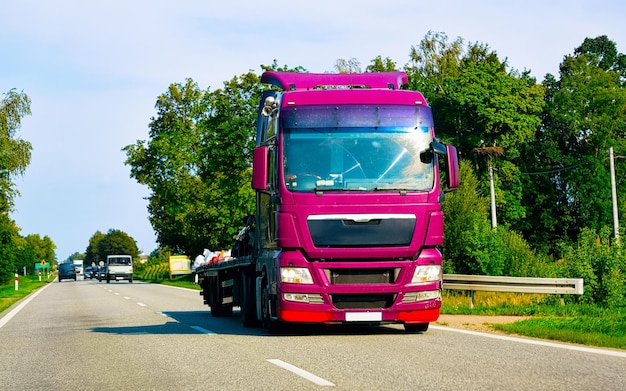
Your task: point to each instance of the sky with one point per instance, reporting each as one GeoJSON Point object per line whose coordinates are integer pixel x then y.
{"type": "Point", "coordinates": [94, 70]}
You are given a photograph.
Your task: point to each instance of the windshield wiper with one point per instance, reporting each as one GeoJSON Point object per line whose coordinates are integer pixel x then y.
{"type": "Point", "coordinates": [399, 189]}
{"type": "Point", "coordinates": [325, 189]}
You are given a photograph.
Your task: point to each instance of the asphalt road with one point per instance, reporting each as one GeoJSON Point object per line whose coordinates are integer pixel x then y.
{"type": "Point", "coordinates": [88, 335]}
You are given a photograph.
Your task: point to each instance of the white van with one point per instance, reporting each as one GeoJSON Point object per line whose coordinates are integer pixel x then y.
{"type": "Point", "coordinates": [119, 267]}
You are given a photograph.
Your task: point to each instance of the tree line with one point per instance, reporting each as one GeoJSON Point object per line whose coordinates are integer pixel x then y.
{"type": "Point", "coordinates": [545, 143]}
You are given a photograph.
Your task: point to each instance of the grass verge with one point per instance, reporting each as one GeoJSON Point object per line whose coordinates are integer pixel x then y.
{"type": "Point", "coordinates": [26, 285]}
{"type": "Point", "coordinates": [185, 281]}
{"type": "Point", "coordinates": [575, 323]}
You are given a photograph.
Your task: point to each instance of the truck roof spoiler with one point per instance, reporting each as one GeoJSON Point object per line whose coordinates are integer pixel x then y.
{"type": "Point", "coordinates": [304, 81]}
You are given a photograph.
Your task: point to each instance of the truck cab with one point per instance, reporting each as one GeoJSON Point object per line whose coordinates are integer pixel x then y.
{"type": "Point", "coordinates": [349, 222]}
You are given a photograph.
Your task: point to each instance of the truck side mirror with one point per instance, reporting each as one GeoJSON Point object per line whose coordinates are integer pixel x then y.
{"type": "Point", "coordinates": [452, 160]}
{"type": "Point", "coordinates": [259, 168]}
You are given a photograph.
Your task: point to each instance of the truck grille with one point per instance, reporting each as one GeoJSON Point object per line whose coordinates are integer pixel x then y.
{"type": "Point", "coordinates": [362, 276]}
{"type": "Point", "coordinates": [363, 301]}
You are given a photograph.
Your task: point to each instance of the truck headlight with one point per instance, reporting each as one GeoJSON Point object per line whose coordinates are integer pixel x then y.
{"type": "Point", "coordinates": [295, 275]}
{"type": "Point", "coordinates": [426, 273]}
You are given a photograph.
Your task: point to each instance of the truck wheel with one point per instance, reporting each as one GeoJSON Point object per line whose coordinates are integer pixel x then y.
{"type": "Point", "coordinates": [272, 326]}
{"type": "Point", "coordinates": [416, 327]}
{"type": "Point", "coordinates": [248, 300]}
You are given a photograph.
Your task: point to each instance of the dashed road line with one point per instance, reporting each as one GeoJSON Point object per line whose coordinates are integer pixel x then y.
{"type": "Point", "coordinates": [301, 372]}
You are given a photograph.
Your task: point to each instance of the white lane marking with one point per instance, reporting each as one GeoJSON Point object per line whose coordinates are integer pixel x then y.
{"type": "Point", "coordinates": [203, 331]}
{"type": "Point", "coordinates": [141, 304]}
{"type": "Point", "coordinates": [127, 298]}
{"type": "Point", "coordinates": [4, 320]}
{"type": "Point", "coordinates": [301, 372]}
{"type": "Point", "coordinates": [117, 294]}
{"type": "Point", "coordinates": [584, 349]}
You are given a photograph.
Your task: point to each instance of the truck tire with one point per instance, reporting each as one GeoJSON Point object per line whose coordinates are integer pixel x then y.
{"type": "Point", "coordinates": [248, 300]}
{"type": "Point", "coordinates": [416, 327]}
{"type": "Point", "coordinates": [272, 326]}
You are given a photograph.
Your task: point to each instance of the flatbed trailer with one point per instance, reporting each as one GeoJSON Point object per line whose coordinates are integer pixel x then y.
{"type": "Point", "coordinates": [228, 283]}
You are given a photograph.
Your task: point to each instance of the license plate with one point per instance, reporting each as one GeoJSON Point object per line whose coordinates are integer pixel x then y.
{"type": "Point", "coordinates": [364, 316]}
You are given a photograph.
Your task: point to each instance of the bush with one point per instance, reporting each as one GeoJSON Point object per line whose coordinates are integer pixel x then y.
{"type": "Point", "coordinates": [472, 246]}
{"type": "Point", "coordinates": [600, 263]}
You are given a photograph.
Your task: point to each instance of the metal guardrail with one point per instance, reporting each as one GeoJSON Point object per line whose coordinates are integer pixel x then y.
{"type": "Point", "coordinates": [571, 286]}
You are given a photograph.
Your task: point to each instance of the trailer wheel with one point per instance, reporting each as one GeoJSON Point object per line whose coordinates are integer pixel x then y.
{"type": "Point", "coordinates": [218, 310]}
{"type": "Point", "coordinates": [248, 300]}
{"type": "Point", "coordinates": [416, 327]}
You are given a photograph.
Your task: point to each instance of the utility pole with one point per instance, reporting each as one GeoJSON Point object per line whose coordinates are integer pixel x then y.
{"type": "Point", "coordinates": [492, 191]}
{"type": "Point", "coordinates": [490, 151]}
{"type": "Point", "coordinates": [614, 196]}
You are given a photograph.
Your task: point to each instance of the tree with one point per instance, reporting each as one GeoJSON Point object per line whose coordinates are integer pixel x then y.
{"type": "Point", "coordinates": [347, 66]}
{"type": "Point", "coordinates": [113, 242]}
{"type": "Point", "coordinates": [10, 242]}
{"type": "Point", "coordinates": [35, 249]}
{"type": "Point", "coordinates": [14, 152]}
{"type": "Point", "coordinates": [380, 65]}
{"type": "Point", "coordinates": [14, 158]}
{"type": "Point", "coordinates": [92, 253]}
{"type": "Point", "coordinates": [584, 117]}
{"type": "Point", "coordinates": [464, 210]}
{"type": "Point", "coordinates": [117, 242]}
{"type": "Point", "coordinates": [169, 164]}
{"type": "Point", "coordinates": [197, 162]}
{"type": "Point", "coordinates": [195, 165]}
{"type": "Point", "coordinates": [477, 103]}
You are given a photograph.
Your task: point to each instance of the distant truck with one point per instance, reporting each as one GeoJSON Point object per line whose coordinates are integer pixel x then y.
{"type": "Point", "coordinates": [119, 267]}
{"type": "Point", "coordinates": [348, 218]}
{"type": "Point", "coordinates": [78, 265]}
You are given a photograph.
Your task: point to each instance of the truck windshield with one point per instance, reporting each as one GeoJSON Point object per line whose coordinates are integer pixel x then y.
{"type": "Point", "coordinates": [358, 148]}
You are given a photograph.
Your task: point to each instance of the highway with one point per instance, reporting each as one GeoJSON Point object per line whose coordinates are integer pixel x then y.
{"type": "Point", "coordinates": [120, 336]}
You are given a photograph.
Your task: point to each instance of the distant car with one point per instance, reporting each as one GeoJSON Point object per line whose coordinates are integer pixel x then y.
{"type": "Point", "coordinates": [67, 271]}
{"type": "Point", "coordinates": [88, 273]}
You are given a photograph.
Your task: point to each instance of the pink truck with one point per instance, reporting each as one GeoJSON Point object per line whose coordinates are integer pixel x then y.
{"type": "Point", "coordinates": [348, 220]}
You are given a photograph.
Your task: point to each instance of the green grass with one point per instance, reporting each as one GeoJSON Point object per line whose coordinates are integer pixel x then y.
{"type": "Point", "coordinates": [185, 281]}
{"type": "Point", "coordinates": [26, 285]}
{"type": "Point", "coordinates": [607, 330]}
{"type": "Point", "coordinates": [575, 323]}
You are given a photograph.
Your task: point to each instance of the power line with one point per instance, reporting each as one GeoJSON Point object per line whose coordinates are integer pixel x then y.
{"type": "Point", "coordinates": [553, 170]}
